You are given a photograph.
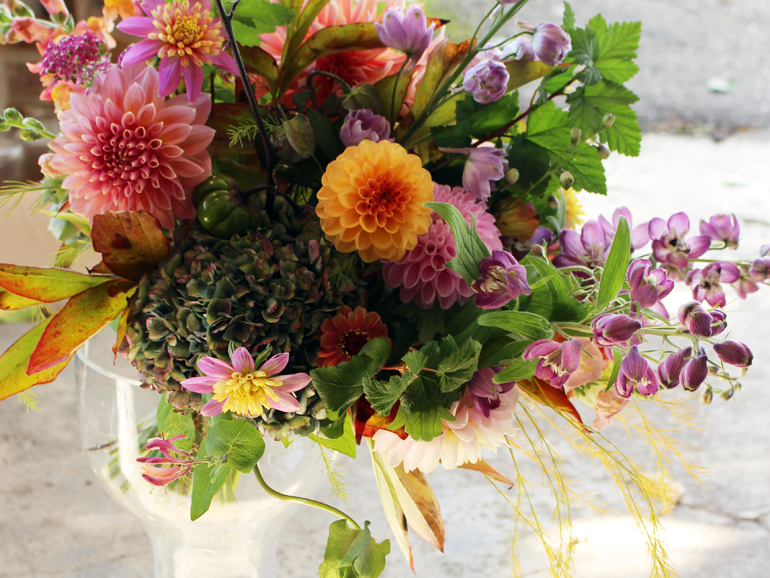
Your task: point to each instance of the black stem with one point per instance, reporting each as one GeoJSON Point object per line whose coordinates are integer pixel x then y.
{"type": "Point", "coordinates": [227, 19]}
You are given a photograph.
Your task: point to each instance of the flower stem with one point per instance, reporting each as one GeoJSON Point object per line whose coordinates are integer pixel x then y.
{"type": "Point", "coordinates": [393, 114]}
{"type": "Point", "coordinates": [305, 501]}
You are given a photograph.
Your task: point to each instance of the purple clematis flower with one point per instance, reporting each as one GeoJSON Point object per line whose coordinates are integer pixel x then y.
{"type": "Point", "coordinates": [723, 228]}
{"type": "Point", "coordinates": [636, 373]}
{"type": "Point", "coordinates": [363, 124]}
{"type": "Point", "coordinates": [735, 353]}
{"type": "Point", "coordinates": [670, 370]}
{"type": "Point", "coordinates": [484, 166]}
{"type": "Point", "coordinates": [487, 81]}
{"type": "Point", "coordinates": [161, 471]}
{"type": "Point", "coordinates": [557, 361]}
{"type": "Point", "coordinates": [705, 282]}
{"type": "Point", "coordinates": [502, 280]}
{"type": "Point", "coordinates": [610, 329]}
{"type": "Point", "coordinates": [648, 287]}
{"type": "Point", "coordinates": [669, 244]}
{"type": "Point", "coordinates": [588, 249]}
{"type": "Point", "coordinates": [484, 392]}
{"type": "Point", "coordinates": [406, 31]}
{"type": "Point", "coordinates": [639, 234]}
{"type": "Point", "coordinates": [244, 390]}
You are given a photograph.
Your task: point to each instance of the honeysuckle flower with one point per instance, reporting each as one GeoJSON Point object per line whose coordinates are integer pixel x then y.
{"type": "Point", "coordinates": [723, 228]}
{"type": "Point", "coordinates": [406, 31]}
{"type": "Point", "coordinates": [695, 318]}
{"type": "Point", "coordinates": [556, 361]}
{"type": "Point", "coordinates": [760, 269]}
{"type": "Point", "coordinates": [550, 42]}
{"type": "Point", "coordinates": [123, 8]}
{"type": "Point", "coordinates": [718, 322]}
{"type": "Point", "coordinates": [502, 280]}
{"type": "Point", "coordinates": [487, 81]}
{"type": "Point", "coordinates": [636, 373]}
{"type": "Point", "coordinates": [344, 335]}
{"type": "Point", "coordinates": [484, 166]}
{"type": "Point", "coordinates": [54, 6]}
{"type": "Point", "coordinates": [669, 244]}
{"type": "Point", "coordinates": [639, 234]}
{"type": "Point", "coordinates": [695, 371]}
{"type": "Point", "coordinates": [611, 329]}
{"type": "Point", "coordinates": [161, 471]}
{"type": "Point", "coordinates": [484, 392]}
{"type": "Point", "coordinates": [648, 287]}
{"type": "Point", "coordinates": [587, 249]}
{"type": "Point", "coordinates": [184, 36]}
{"type": "Point", "coordinates": [244, 390]}
{"type": "Point", "coordinates": [735, 353]}
{"type": "Point", "coordinates": [705, 282]}
{"type": "Point", "coordinates": [27, 30]}
{"type": "Point", "coordinates": [745, 286]}
{"type": "Point", "coordinates": [363, 124]}
{"type": "Point", "coordinates": [591, 367]}
{"type": "Point", "coordinates": [670, 369]}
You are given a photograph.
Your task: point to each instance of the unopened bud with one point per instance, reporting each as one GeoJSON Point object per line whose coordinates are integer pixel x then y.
{"type": "Point", "coordinates": [299, 134]}
{"type": "Point", "coordinates": [566, 179]}
{"type": "Point", "coordinates": [553, 202]}
{"type": "Point", "coordinates": [707, 397]}
{"type": "Point", "coordinates": [34, 124]}
{"type": "Point", "coordinates": [13, 116]}
{"type": "Point", "coordinates": [608, 120]}
{"type": "Point", "coordinates": [28, 134]}
{"type": "Point", "coordinates": [735, 353]}
{"type": "Point", "coordinates": [602, 151]}
{"type": "Point", "coordinates": [727, 395]}
{"type": "Point", "coordinates": [737, 387]}
{"type": "Point", "coordinates": [512, 176]}
{"type": "Point", "coordinates": [575, 135]}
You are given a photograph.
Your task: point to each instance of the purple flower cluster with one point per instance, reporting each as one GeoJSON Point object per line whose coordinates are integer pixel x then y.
{"type": "Point", "coordinates": [75, 58]}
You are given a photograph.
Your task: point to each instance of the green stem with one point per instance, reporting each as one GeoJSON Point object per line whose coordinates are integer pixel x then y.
{"type": "Point", "coordinates": [305, 501]}
{"type": "Point", "coordinates": [395, 91]}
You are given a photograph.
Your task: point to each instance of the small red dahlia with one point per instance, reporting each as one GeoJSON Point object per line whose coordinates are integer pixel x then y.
{"type": "Point", "coordinates": [345, 334]}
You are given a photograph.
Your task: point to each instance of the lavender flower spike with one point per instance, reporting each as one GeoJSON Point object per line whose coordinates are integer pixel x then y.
{"type": "Point", "coordinates": [670, 370]}
{"type": "Point", "coordinates": [502, 280]}
{"type": "Point", "coordinates": [735, 353]}
{"type": "Point", "coordinates": [557, 361]}
{"type": "Point", "coordinates": [722, 228]}
{"type": "Point", "coordinates": [636, 373]}
{"type": "Point", "coordinates": [487, 81]}
{"type": "Point", "coordinates": [484, 166]}
{"type": "Point", "coordinates": [695, 318]}
{"type": "Point", "coordinates": [406, 31]}
{"type": "Point", "coordinates": [610, 329]}
{"type": "Point", "coordinates": [363, 124]}
{"type": "Point", "coordinates": [695, 372]}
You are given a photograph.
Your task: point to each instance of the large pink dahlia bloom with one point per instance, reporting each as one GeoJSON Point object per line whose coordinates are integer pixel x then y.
{"type": "Point", "coordinates": [127, 149]}
{"type": "Point", "coordinates": [422, 273]}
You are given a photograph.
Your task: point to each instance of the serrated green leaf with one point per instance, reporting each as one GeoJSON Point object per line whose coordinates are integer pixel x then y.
{"type": "Point", "coordinates": [261, 16]}
{"type": "Point", "coordinates": [615, 267]}
{"type": "Point", "coordinates": [415, 360]}
{"type": "Point", "coordinates": [383, 395]}
{"type": "Point", "coordinates": [204, 488]}
{"type": "Point", "coordinates": [458, 368]}
{"type": "Point", "coordinates": [585, 50]}
{"type": "Point", "coordinates": [568, 22]}
{"type": "Point", "coordinates": [239, 441]}
{"type": "Point", "coordinates": [491, 117]}
{"type": "Point", "coordinates": [528, 325]}
{"type": "Point", "coordinates": [422, 425]}
{"type": "Point", "coordinates": [353, 553]}
{"type": "Point", "coordinates": [344, 443]}
{"type": "Point", "coordinates": [599, 25]}
{"type": "Point", "coordinates": [171, 423]}
{"type": "Point", "coordinates": [470, 248]}
{"type": "Point", "coordinates": [617, 51]}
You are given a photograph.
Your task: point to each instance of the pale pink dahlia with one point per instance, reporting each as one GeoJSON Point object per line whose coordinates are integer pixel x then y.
{"type": "Point", "coordinates": [184, 36]}
{"type": "Point", "coordinates": [127, 149]}
{"type": "Point", "coordinates": [462, 440]}
{"type": "Point", "coordinates": [421, 272]}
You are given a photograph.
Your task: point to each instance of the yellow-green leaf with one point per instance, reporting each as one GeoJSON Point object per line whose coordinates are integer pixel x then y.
{"type": "Point", "coordinates": [12, 302]}
{"type": "Point", "coordinates": [483, 467]}
{"type": "Point", "coordinates": [47, 285]}
{"type": "Point", "coordinates": [421, 507]}
{"type": "Point", "coordinates": [385, 88]}
{"type": "Point", "coordinates": [83, 316]}
{"type": "Point", "coordinates": [525, 71]}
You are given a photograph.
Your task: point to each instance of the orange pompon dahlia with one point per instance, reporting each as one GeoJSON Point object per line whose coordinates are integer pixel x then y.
{"type": "Point", "coordinates": [345, 334]}
{"type": "Point", "coordinates": [373, 201]}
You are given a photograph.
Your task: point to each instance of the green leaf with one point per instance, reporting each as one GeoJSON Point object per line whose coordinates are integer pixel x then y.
{"type": "Point", "coordinates": [516, 371]}
{"type": "Point", "coordinates": [341, 385]}
{"type": "Point", "coordinates": [457, 135]}
{"type": "Point", "coordinates": [617, 358]}
{"type": "Point", "coordinates": [345, 443]}
{"type": "Point", "coordinates": [47, 285]}
{"type": "Point", "coordinates": [383, 395]}
{"type": "Point", "coordinates": [528, 325]}
{"type": "Point", "coordinates": [458, 368]}
{"type": "Point", "coordinates": [353, 553]}
{"type": "Point", "coordinates": [599, 24]}
{"type": "Point", "coordinates": [589, 104]}
{"type": "Point", "coordinates": [470, 248]}
{"type": "Point", "coordinates": [204, 487]}
{"type": "Point", "coordinates": [617, 50]}
{"type": "Point", "coordinates": [615, 267]}
{"type": "Point", "coordinates": [246, 33]}
{"type": "Point", "coordinates": [239, 441]}
{"type": "Point", "coordinates": [422, 425]}
{"type": "Point", "coordinates": [585, 50]}
{"type": "Point", "coordinates": [172, 423]}
{"type": "Point", "coordinates": [491, 117]}
{"type": "Point", "coordinates": [568, 23]}
{"type": "Point", "coordinates": [261, 16]}
{"type": "Point", "coordinates": [327, 138]}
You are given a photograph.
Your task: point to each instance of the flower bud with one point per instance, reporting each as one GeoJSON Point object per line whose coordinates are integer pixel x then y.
{"type": "Point", "coordinates": [361, 125]}
{"type": "Point", "coordinates": [550, 43]}
{"type": "Point", "coordinates": [406, 31]}
{"type": "Point", "coordinates": [28, 134]}
{"type": "Point", "coordinates": [13, 116]}
{"type": "Point", "coordinates": [608, 120]}
{"type": "Point", "coordinates": [695, 318]}
{"type": "Point", "coordinates": [602, 151]}
{"type": "Point", "coordinates": [512, 176]}
{"type": "Point", "coordinates": [553, 202]}
{"type": "Point", "coordinates": [566, 179]}
{"type": "Point", "coordinates": [734, 353]}
{"type": "Point", "coordinates": [707, 396]}
{"type": "Point", "coordinates": [575, 135]}
{"type": "Point", "coordinates": [361, 97]}
{"type": "Point", "coordinates": [299, 137]}
{"type": "Point", "coordinates": [727, 395]}
{"type": "Point", "coordinates": [718, 322]}
{"type": "Point", "coordinates": [610, 329]}
{"type": "Point", "coordinates": [695, 372]}
{"type": "Point", "coordinates": [760, 269]}
{"type": "Point", "coordinates": [487, 81]}
{"type": "Point", "coordinates": [670, 370]}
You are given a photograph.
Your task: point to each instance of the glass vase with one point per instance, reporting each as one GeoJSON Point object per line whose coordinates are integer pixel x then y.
{"type": "Point", "coordinates": [237, 537]}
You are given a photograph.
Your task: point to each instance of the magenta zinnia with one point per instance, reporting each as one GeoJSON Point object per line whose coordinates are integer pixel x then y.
{"type": "Point", "coordinates": [127, 149]}
{"type": "Point", "coordinates": [184, 36]}
{"type": "Point", "coordinates": [244, 390]}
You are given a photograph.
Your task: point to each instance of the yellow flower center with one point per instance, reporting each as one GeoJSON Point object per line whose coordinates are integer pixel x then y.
{"type": "Point", "coordinates": [246, 394]}
{"type": "Point", "coordinates": [188, 32]}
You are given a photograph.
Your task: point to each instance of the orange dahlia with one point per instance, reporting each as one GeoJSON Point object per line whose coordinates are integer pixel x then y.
{"type": "Point", "coordinates": [345, 334]}
{"type": "Point", "coordinates": [373, 201]}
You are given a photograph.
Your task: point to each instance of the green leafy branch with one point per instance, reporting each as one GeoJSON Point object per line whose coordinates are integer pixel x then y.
{"type": "Point", "coordinates": [30, 128]}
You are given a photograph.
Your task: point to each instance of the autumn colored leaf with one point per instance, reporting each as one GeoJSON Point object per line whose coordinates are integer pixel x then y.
{"type": "Point", "coordinates": [46, 284]}
{"type": "Point", "coordinates": [367, 422]}
{"type": "Point", "coordinates": [132, 243]}
{"type": "Point", "coordinates": [522, 72]}
{"type": "Point", "coordinates": [13, 364]}
{"type": "Point", "coordinates": [11, 302]}
{"type": "Point", "coordinates": [516, 219]}
{"type": "Point", "coordinates": [421, 507]}
{"type": "Point", "coordinates": [83, 316]}
{"type": "Point", "coordinates": [122, 330]}
{"type": "Point", "coordinates": [443, 60]}
{"type": "Point", "coordinates": [258, 61]}
{"type": "Point", "coordinates": [483, 467]}
{"type": "Point", "coordinates": [553, 397]}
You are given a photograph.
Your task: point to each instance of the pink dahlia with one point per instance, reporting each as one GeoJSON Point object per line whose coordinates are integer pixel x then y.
{"type": "Point", "coordinates": [421, 272]}
{"type": "Point", "coordinates": [184, 36]}
{"type": "Point", "coordinates": [127, 149]}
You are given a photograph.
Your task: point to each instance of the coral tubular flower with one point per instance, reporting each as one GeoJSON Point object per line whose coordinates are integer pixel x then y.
{"type": "Point", "coordinates": [184, 36]}
{"type": "Point", "coordinates": [345, 334]}
{"type": "Point", "coordinates": [161, 471]}
{"type": "Point", "coordinates": [373, 201]}
{"type": "Point", "coordinates": [126, 149]}
{"type": "Point", "coordinates": [556, 361]}
{"type": "Point", "coordinates": [244, 390]}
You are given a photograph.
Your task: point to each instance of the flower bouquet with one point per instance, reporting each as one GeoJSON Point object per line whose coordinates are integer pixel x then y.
{"type": "Point", "coordinates": [325, 219]}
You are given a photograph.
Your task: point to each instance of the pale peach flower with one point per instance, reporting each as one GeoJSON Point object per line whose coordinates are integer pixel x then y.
{"type": "Point", "coordinates": [592, 363]}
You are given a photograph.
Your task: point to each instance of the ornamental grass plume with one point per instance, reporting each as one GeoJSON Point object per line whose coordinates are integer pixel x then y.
{"type": "Point", "coordinates": [345, 334]}
{"type": "Point", "coordinates": [184, 36]}
{"type": "Point", "coordinates": [125, 148]}
{"type": "Point", "coordinates": [373, 201]}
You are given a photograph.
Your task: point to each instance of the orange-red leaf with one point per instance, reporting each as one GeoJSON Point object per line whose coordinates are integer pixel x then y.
{"type": "Point", "coordinates": [122, 330]}
{"type": "Point", "coordinates": [516, 219]}
{"type": "Point", "coordinates": [12, 302]}
{"type": "Point", "coordinates": [83, 316]}
{"type": "Point", "coordinates": [553, 397]}
{"type": "Point", "coordinates": [482, 466]}
{"type": "Point", "coordinates": [131, 243]}
{"type": "Point", "coordinates": [47, 284]}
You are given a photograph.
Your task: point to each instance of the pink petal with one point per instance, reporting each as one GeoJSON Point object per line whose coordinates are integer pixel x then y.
{"type": "Point", "coordinates": [226, 62]}
{"type": "Point", "coordinates": [193, 79]}
{"type": "Point", "coordinates": [200, 384]}
{"type": "Point", "coordinates": [170, 75]}
{"type": "Point", "coordinates": [275, 364]}
{"type": "Point", "coordinates": [212, 367]}
{"type": "Point", "coordinates": [142, 51]}
{"type": "Point", "coordinates": [292, 382]}
{"type": "Point", "coordinates": [242, 360]}
{"type": "Point", "coordinates": [137, 26]}
{"type": "Point", "coordinates": [212, 407]}
{"type": "Point", "coordinates": [285, 402]}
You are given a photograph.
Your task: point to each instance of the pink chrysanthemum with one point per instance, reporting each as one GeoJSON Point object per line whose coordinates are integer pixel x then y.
{"type": "Point", "coordinates": [461, 442]}
{"type": "Point", "coordinates": [421, 272]}
{"type": "Point", "coordinates": [184, 36]}
{"type": "Point", "coordinates": [127, 149]}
